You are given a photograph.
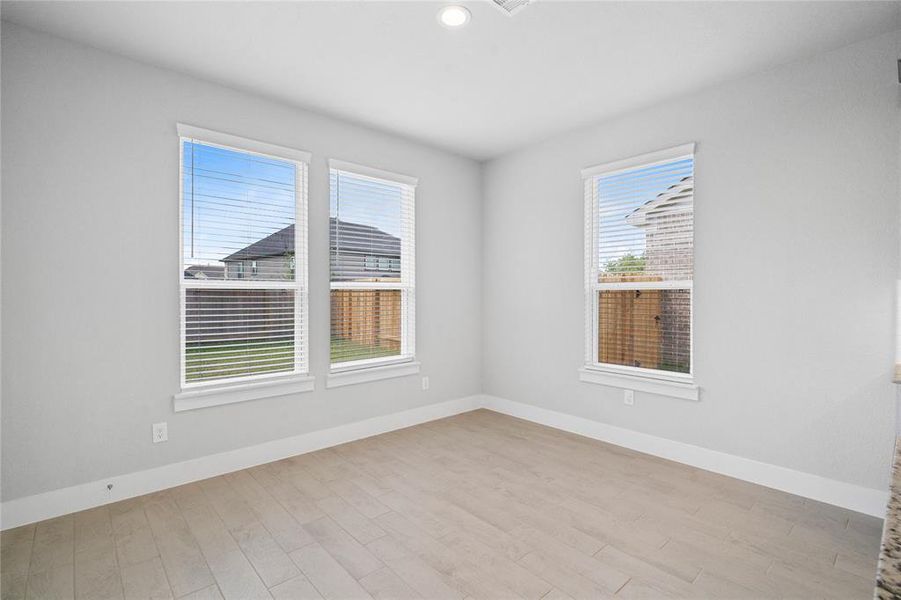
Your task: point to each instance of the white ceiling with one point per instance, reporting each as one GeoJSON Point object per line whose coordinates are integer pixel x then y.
{"type": "Point", "coordinates": [499, 83]}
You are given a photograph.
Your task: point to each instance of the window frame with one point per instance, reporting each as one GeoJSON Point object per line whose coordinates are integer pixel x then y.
{"type": "Point", "coordinates": [656, 381]}
{"type": "Point", "coordinates": [199, 394]}
{"type": "Point", "coordinates": [371, 369]}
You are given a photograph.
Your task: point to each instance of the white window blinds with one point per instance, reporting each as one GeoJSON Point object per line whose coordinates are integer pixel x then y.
{"type": "Point", "coordinates": [244, 267]}
{"type": "Point", "coordinates": [372, 265]}
{"type": "Point", "coordinates": [639, 263]}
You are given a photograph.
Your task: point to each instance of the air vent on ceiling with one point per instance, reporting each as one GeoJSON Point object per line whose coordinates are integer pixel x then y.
{"type": "Point", "coordinates": [511, 6]}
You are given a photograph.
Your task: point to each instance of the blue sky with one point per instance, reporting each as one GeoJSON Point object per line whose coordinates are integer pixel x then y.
{"type": "Point", "coordinates": [619, 194]}
{"type": "Point", "coordinates": [361, 200]}
{"type": "Point", "coordinates": [232, 199]}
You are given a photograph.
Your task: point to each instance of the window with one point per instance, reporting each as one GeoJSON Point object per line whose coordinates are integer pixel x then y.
{"type": "Point", "coordinates": [372, 265]}
{"type": "Point", "coordinates": [244, 267]}
{"type": "Point", "coordinates": [639, 265]}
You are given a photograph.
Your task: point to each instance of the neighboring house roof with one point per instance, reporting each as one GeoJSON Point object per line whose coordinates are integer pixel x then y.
{"type": "Point", "coordinates": [663, 203]}
{"type": "Point", "coordinates": [205, 272]}
{"type": "Point", "coordinates": [279, 243]}
{"type": "Point", "coordinates": [354, 238]}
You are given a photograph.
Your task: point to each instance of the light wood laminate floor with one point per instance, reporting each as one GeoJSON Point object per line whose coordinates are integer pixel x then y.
{"type": "Point", "coordinates": [479, 505]}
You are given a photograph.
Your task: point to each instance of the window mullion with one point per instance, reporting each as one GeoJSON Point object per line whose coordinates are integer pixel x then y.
{"type": "Point", "coordinates": [369, 285]}
{"type": "Point", "coordinates": [684, 284]}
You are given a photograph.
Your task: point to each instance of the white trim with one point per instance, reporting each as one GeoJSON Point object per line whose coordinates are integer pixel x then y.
{"type": "Point", "coordinates": [302, 276]}
{"type": "Point", "coordinates": [641, 372]}
{"type": "Point", "coordinates": [653, 382]}
{"type": "Point", "coordinates": [353, 376]}
{"type": "Point", "coordinates": [645, 285]}
{"type": "Point", "coordinates": [229, 383]}
{"type": "Point", "coordinates": [367, 363]}
{"type": "Point", "coordinates": [372, 172]}
{"type": "Point", "coordinates": [408, 275]}
{"type": "Point", "coordinates": [368, 285]}
{"type": "Point", "coordinates": [839, 493]}
{"type": "Point", "coordinates": [241, 143]}
{"type": "Point", "coordinates": [38, 507]}
{"type": "Point", "coordinates": [203, 397]}
{"type": "Point", "coordinates": [250, 284]}
{"type": "Point", "coordinates": [642, 160]}
{"type": "Point", "coordinates": [182, 293]}
{"type": "Point", "coordinates": [591, 269]}
{"type": "Point", "coordinates": [63, 501]}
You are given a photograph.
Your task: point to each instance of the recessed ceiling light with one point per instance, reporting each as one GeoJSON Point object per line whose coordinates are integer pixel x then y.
{"type": "Point", "coordinates": [453, 16]}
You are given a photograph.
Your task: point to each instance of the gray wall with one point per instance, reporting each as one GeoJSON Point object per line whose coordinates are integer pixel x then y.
{"type": "Point", "coordinates": [796, 245]}
{"type": "Point", "coordinates": [90, 266]}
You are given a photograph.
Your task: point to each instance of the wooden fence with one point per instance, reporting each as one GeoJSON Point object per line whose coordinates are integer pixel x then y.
{"type": "Point", "coordinates": [370, 318]}
{"type": "Point", "coordinates": [644, 328]}
{"type": "Point", "coordinates": [629, 324]}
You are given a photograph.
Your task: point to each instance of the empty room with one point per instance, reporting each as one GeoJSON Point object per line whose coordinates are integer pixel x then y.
{"type": "Point", "coordinates": [476, 300]}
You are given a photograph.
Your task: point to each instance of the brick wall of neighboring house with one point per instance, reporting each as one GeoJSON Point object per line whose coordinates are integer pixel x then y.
{"type": "Point", "coordinates": [670, 256]}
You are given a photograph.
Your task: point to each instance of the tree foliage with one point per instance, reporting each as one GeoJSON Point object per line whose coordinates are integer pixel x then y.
{"type": "Point", "coordinates": [626, 264]}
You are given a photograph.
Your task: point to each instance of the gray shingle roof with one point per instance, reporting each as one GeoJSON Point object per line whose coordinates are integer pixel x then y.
{"type": "Point", "coordinates": [204, 272]}
{"type": "Point", "coordinates": [352, 237]}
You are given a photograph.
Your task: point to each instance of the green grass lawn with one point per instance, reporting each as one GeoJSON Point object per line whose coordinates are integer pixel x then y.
{"type": "Point", "coordinates": [344, 351]}
{"type": "Point", "coordinates": [215, 361]}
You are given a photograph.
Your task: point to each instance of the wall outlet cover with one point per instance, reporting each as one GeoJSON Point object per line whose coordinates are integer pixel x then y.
{"type": "Point", "coordinates": [160, 432]}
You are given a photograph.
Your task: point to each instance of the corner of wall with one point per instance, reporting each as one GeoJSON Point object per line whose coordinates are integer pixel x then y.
{"type": "Point", "coordinates": [482, 282]}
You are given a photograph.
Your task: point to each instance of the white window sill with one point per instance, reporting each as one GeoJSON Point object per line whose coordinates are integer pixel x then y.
{"type": "Point", "coordinates": [675, 386]}
{"type": "Point", "coordinates": [364, 375]}
{"type": "Point", "coordinates": [203, 397]}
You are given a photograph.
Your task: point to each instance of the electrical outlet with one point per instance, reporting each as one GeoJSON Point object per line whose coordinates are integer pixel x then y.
{"type": "Point", "coordinates": [425, 383]}
{"type": "Point", "coordinates": [628, 397]}
{"type": "Point", "coordinates": [160, 432]}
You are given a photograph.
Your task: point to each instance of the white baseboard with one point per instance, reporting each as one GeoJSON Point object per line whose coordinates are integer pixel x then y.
{"type": "Point", "coordinates": [30, 509]}
{"type": "Point", "coordinates": [847, 495]}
